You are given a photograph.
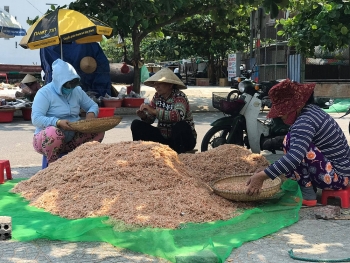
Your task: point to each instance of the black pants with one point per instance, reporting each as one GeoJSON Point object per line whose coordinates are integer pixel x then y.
{"type": "Point", "coordinates": [182, 138]}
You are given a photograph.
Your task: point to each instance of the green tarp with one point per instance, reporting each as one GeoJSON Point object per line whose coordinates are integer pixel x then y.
{"type": "Point", "coordinates": [176, 245]}
{"type": "Point", "coordinates": [339, 105]}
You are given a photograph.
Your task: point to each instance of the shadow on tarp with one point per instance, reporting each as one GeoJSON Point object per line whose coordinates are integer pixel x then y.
{"type": "Point", "coordinates": [219, 238]}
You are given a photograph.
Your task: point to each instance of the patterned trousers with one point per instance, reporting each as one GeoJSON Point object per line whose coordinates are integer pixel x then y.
{"type": "Point", "coordinates": [50, 142]}
{"type": "Point", "coordinates": [315, 170]}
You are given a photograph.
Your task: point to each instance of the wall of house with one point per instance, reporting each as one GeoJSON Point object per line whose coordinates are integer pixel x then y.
{"type": "Point", "coordinates": [11, 51]}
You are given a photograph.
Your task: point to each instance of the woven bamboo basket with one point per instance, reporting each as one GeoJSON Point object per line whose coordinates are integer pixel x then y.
{"type": "Point", "coordinates": [96, 125]}
{"type": "Point", "coordinates": [222, 187]}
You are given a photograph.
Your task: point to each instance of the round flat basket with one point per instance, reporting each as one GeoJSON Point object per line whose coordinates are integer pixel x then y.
{"type": "Point", "coordinates": [234, 188]}
{"type": "Point", "coordinates": [96, 125]}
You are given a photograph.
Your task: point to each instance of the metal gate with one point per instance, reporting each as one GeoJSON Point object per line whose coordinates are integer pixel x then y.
{"type": "Point", "coordinates": [294, 67]}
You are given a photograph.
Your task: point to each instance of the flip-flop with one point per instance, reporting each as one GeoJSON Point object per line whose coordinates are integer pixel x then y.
{"type": "Point", "coordinates": [309, 202]}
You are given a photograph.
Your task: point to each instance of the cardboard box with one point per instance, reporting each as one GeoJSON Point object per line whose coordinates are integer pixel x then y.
{"type": "Point", "coordinates": [223, 82]}
{"type": "Point", "coordinates": [202, 82]}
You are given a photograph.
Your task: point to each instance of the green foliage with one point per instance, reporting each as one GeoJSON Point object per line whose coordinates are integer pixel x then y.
{"type": "Point", "coordinates": [141, 18]}
{"type": "Point", "coordinates": [320, 23]}
{"type": "Point", "coordinates": [205, 37]}
{"type": "Point", "coordinates": [115, 53]}
{"type": "Point", "coordinates": [52, 8]}
{"type": "Point", "coordinates": [271, 6]}
{"type": "Point", "coordinates": [221, 26]}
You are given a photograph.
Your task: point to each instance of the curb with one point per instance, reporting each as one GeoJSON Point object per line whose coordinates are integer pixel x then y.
{"type": "Point", "coordinates": [200, 98]}
{"type": "Point", "coordinates": [195, 109]}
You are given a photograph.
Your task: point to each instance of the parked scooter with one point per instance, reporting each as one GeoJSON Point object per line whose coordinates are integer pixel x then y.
{"type": "Point", "coordinates": [241, 124]}
{"type": "Point", "coordinates": [347, 113]}
{"type": "Point", "coordinates": [244, 75]}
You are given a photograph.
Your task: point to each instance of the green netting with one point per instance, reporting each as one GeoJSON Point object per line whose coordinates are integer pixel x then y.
{"type": "Point", "coordinates": [339, 105]}
{"type": "Point", "coordinates": [214, 239]}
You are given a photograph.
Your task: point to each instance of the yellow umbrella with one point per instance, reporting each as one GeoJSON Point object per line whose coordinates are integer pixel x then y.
{"type": "Point", "coordinates": [64, 26]}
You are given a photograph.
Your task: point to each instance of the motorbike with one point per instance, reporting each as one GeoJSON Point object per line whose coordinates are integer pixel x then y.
{"type": "Point", "coordinates": [241, 124]}
{"type": "Point", "coordinates": [244, 75]}
{"type": "Point", "coordinates": [345, 114]}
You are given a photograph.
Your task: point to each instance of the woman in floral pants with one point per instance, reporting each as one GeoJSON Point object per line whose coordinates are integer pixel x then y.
{"type": "Point", "coordinates": [55, 106]}
{"type": "Point", "coordinates": [50, 142]}
{"type": "Point", "coordinates": [317, 153]}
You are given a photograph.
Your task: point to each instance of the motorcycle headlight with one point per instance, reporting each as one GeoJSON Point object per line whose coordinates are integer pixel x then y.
{"type": "Point", "coordinates": [241, 87]}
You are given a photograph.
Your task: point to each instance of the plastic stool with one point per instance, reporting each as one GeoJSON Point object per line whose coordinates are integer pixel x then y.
{"type": "Point", "coordinates": [45, 164]}
{"type": "Point", "coordinates": [5, 165]}
{"type": "Point", "coordinates": [344, 196]}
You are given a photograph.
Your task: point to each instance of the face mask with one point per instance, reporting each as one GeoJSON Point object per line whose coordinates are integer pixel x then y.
{"type": "Point", "coordinates": [66, 91]}
{"type": "Point", "coordinates": [291, 117]}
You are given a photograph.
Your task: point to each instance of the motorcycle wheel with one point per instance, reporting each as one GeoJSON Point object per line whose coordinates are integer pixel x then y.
{"type": "Point", "coordinates": [215, 137]}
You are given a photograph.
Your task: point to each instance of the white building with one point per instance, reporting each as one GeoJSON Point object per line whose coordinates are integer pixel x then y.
{"type": "Point", "coordinates": [10, 50]}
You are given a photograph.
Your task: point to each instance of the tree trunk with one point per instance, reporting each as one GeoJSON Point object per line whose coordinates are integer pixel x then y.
{"type": "Point", "coordinates": [137, 71]}
{"type": "Point", "coordinates": [211, 71]}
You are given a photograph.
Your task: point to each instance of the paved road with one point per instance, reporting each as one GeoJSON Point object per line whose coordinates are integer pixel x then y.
{"type": "Point", "coordinates": [309, 237]}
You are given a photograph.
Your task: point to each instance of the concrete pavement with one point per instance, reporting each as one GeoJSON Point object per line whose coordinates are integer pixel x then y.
{"type": "Point", "coordinates": [200, 97]}
{"type": "Point", "coordinates": [309, 238]}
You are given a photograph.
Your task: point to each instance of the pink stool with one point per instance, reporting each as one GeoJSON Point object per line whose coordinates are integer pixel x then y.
{"type": "Point", "coordinates": [5, 164]}
{"type": "Point", "coordinates": [344, 196]}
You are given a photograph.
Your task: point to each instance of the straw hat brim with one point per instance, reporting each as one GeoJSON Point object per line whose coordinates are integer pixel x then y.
{"type": "Point", "coordinates": [165, 75]}
{"type": "Point", "coordinates": [88, 64]}
{"type": "Point", "coordinates": [269, 190]}
{"type": "Point", "coordinates": [288, 96]}
{"type": "Point", "coordinates": [28, 79]}
{"type": "Point", "coordinates": [96, 125]}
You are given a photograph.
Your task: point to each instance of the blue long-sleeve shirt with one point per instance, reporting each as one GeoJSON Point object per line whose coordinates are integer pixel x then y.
{"type": "Point", "coordinates": [316, 126]}
{"type": "Point", "coordinates": [50, 104]}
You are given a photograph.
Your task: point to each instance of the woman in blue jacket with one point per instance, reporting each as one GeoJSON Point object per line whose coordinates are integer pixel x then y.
{"type": "Point", "coordinates": [56, 105]}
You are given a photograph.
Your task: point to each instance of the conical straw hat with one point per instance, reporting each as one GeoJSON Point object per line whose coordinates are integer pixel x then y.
{"type": "Point", "coordinates": [88, 65]}
{"type": "Point", "coordinates": [28, 79]}
{"type": "Point", "coordinates": [165, 75]}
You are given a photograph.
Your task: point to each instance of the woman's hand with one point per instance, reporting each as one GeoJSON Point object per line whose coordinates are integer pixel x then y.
{"type": "Point", "coordinates": [141, 114]}
{"type": "Point", "coordinates": [148, 109]}
{"type": "Point", "coordinates": [255, 183]}
{"type": "Point", "coordinates": [260, 169]}
{"type": "Point", "coordinates": [90, 115]}
{"type": "Point", "coordinates": [64, 125]}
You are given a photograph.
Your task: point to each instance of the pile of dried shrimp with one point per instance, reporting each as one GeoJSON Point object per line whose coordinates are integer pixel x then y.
{"type": "Point", "coordinates": [139, 183]}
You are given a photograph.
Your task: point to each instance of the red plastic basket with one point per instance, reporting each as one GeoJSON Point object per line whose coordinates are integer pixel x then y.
{"type": "Point", "coordinates": [6, 115]}
{"type": "Point", "coordinates": [26, 114]}
{"type": "Point", "coordinates": [105, 112]}
{"type": "Point", "coordinates": [112, 103]}
{"type": "Point", "coordinates": [132, 102]}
